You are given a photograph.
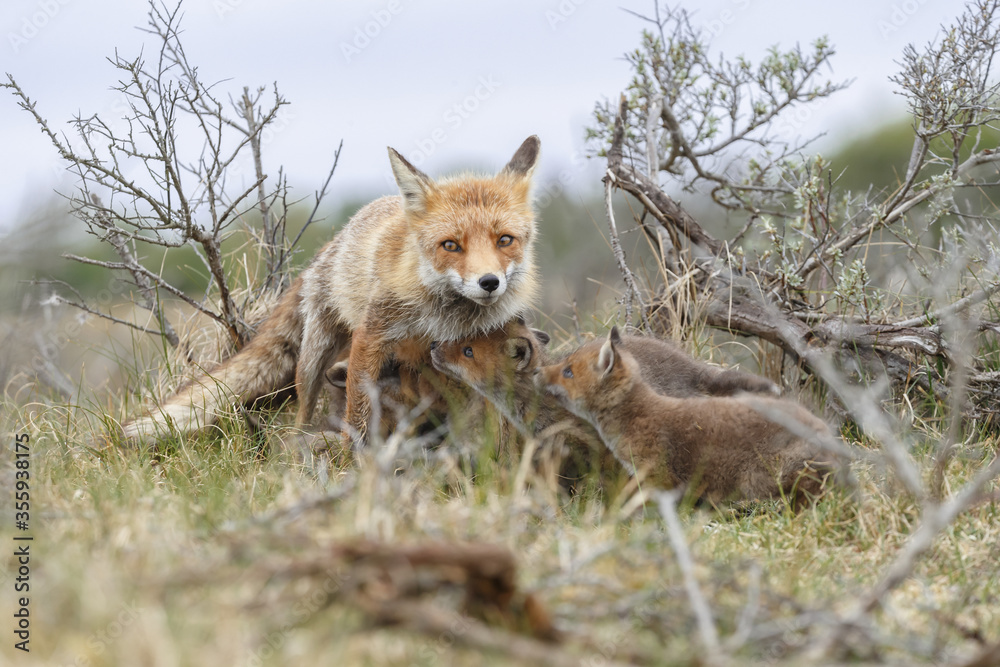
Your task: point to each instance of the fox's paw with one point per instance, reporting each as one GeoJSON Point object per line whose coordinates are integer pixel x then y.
{"type": "Point", "coordinates": [328, 446]}
{"type": "Point", "coordinates": [325, 442]}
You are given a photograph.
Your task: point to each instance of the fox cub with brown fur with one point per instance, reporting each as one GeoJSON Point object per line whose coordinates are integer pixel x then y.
{"type": "Point", "coordinates": [501, 366]}
{"type": "Point", "coordinates": [444, 260]}
{"type": "Point", "coordinates": [719, 448]}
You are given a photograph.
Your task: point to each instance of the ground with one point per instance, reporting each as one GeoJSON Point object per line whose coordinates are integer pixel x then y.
{"type": "Point", "coordinates": [220, 550]}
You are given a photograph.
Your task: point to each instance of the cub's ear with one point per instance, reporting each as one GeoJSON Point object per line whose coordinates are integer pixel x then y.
{"type": "Point", "coordinates": [615, 336]}
{"type": "Point", "coordinates": [519, 349]}
{"type": "Point", "coordinates": [542, 337]}
{"type": "Point", "coordinates": [337, 374]}
{"type": "Point", "coordinates": [606, 359]}
{"type": "Point", "coordinates": [523, 163]}
{"type": "Point", "coordinates": [413, 183]}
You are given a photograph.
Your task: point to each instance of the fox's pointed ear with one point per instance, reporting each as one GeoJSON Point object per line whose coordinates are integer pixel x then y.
{"type": "Point", "coordinates": [606, 359]}
{"type": "Point", "coordinates": [413, 183]}
{"type": "Point", "coordinates": [519, 349]}
{"type": "Point", "coordinates": [542, 337]}
{"type": "Point", "coordinates": [615, 336]}
{"type": "Point", "coordinates": [523, 163]}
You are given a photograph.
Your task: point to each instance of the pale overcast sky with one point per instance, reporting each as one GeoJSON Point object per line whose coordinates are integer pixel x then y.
{"type": "Point", "coordinates": [519, 67]}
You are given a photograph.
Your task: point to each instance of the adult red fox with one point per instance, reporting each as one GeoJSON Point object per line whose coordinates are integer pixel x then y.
{"type": "Point", "coordinates": [444, 260]}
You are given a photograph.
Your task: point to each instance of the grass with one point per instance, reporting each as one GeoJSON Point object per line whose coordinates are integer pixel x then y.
{"type": "Point", "coordinates": [197, 555]}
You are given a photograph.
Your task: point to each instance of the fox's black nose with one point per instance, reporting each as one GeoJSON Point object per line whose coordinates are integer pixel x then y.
{"type": "Point", "coordinates": [434, 344]}
{"type": "Point", "coordinates": [489, 282]}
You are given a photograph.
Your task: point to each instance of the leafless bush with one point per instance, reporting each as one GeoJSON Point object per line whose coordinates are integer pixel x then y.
{"type": "Point", "coordinates": [806, 270]}
{"type": "Point", "coordinates": [164, 176]}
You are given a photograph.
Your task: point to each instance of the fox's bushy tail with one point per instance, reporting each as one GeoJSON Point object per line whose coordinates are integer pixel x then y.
{"type": "Point", "coordinates": [264, 366]}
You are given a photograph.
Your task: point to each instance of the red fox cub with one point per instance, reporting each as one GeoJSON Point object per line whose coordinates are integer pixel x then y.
{"type": "Point", "coordinates": [501, 366]}
{"type": "Point", "coordinates": [419, 394]}
{"type": "Point", "coordinates": [721, 448]}
{"type": "Point", "coordinates": [444, 260]}
{"type": "Point", "coordinates": [673, 372]}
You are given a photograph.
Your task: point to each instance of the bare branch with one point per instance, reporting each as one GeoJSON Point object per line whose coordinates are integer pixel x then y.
{"type": "Point", "coordinates": [936, 518]}
{"type": "Point", "coordinates": [667, 502]}
{"type": "Point", "coordinates": [632, 291]}
{"type": "Point", "coordinates": [111, 318]}
{"type": "Point", "coordinates": [156, 195]}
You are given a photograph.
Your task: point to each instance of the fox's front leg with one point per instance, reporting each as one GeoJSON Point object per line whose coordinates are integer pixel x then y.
{"type": "Point", "coordinates": [369, 351]}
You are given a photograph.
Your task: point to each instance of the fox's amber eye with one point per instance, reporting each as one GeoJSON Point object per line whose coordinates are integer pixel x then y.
{"type": "Point", "coordinates": [451, 246]}
{"type": "Point", "coordinates": [505, 240]}
{"type": "Point", "coordinates": [568, 372]}
{"type": "Point", "coordinates": [467, 351]}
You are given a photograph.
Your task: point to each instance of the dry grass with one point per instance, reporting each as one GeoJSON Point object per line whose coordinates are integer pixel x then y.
{"type": "Point", "coordinates": [198, 555]}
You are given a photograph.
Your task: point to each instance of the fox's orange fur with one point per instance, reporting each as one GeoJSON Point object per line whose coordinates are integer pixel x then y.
{"type": "Point", "coordinates": [444, 260]}
{"type": "Point", "coordinates": [500, 366]}
{"type": "Point", "coordinates": [721, 448]}
{"type": "Point", "coordinates": [417, 393]}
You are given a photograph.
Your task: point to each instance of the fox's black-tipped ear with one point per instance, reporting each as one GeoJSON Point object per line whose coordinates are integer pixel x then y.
{"type": "Point", "coordinates": [520, 350]}
{"type": "Point", "coordinates": [615, 336]}
{"type": "Point", "coordinates": [413, 183]}
{"type": "Point", "coordinates": [524, 160]}
{"type": "Point", "coordinates": [542, 337]}
{"type": "Point", "coordinates": [606, 359]}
